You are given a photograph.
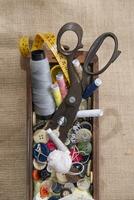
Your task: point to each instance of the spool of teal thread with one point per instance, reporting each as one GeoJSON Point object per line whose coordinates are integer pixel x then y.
{"type": "Point", "coordinates": [91, 88]}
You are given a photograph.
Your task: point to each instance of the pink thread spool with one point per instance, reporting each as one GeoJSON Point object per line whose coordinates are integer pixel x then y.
{"type": "Point", "coordinates": [62, 84]}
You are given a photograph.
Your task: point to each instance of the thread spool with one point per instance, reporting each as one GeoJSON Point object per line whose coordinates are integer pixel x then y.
{"type": "Point", "coordinates": [62, 85]}
{"type": "Point", "coordinates": [43, 101]}
{"type": "Point", "coordinates": [56, 94]}
{"type": "Point", "coordinates": [91, 88]}
{"type": "Point", "coordinates": [89, 113]}
{"type": "Point", "coordinates": [78, 68]}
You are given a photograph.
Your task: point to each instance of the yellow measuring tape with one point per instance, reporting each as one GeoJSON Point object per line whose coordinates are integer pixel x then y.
{"type": "Point", "coordinates": [50, 40]}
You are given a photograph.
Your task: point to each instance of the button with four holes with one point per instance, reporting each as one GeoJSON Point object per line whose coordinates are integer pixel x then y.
{"type": "Point", "coordinates": [40, 136]}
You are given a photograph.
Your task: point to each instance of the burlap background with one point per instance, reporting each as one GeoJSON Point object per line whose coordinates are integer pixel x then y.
{"type": "Point", "coordinates": [19, 17]}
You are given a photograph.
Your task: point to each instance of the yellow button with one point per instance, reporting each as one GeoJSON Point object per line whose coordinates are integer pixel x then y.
{"type": "Point", "coordinates": [40, 136]}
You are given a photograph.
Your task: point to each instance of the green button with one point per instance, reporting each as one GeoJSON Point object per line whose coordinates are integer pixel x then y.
{"type": "Point", "coordinates": [85, 147]}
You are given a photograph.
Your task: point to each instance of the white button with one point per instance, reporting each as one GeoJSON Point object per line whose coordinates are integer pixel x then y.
{"type": "Point", "coordinates": [89, 168]}
{"type": "Point", "coordinates": [84, 135]}
{"type": "Point", "coordinates": [70, 186]}
{"type": "Point", "coordinates": [40, 136]}
{"type": "Point", "coordinates": [39, 166]}
{"type": "Point", "coordinates": [83, 184]}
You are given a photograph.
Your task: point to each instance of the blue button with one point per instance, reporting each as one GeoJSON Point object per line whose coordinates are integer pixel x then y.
{"type": "Point", "coordinates": [54, 198]}
{"type": "Point", "coordinates": [56, 187]}
{"type": "Point", "coordinates": [44, 174]}
{"type": "Point", "coordinates": [40, 152]}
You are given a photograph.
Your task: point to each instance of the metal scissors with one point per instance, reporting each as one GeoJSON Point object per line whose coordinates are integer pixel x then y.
{"type": "Point", "coordinates": [70, 104]}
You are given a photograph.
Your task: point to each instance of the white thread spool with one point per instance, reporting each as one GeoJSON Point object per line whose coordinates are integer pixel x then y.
{"type": "Point", "coordinates": [89, 113]}
{"type": "Point", "coordinates": [78, 67]}
{"type": "Point", "coordinates": [41, 84]}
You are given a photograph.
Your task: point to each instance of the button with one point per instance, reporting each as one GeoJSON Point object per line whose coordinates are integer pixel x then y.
{"type": "Point", "coordinates": [34, 119]}
{"type": "Point", "coordinates": [44, 174]}
{"type": "Point", "coordinates": [51, 146]}
{"type": "Point", "coordinates": [72, 179]}
{"type": "Point", "coordinates": [44, 191]}
{"type": "Point", "coordinates": [89, 168]}
{"type": "Point", "coordinates": [39, 125]}
{"type": "Point", "coordinates": [39, 166]}
{"type": "Point", "coordinates": [86, 125]}
{"type": "Point", "coordinates": [70, 186]}
{"type": "Point", "coordinates": [85, 148]}
{"type": "Point", "coordinates": [38, 197]}
{"type": "Point", "coordinates": [83, 184]}
{"type": "Point", "coordinates": [91, 177]}
{"type": "Point", "coordinates": [91, 189]}
{"type": "Point", "coordinates": [65, 192]}
{"type": "Point", "coordinates": [54, 198]}
{"type": "Point", "coordinates": [45, 188]}
{"type": "Point", "coordinates": [36, 186]}
{"type": "Point", "coordinates": [40, 152]}
{"type": "Point", "coordinates": [56, 187]}
{"type": "Point", "coordinates": [35, 175]}
{"type": "Point", "coordinates": [61, 178]}
{"type": "Point", "coordinates": [40, 136]}
{"type": "Point", "coordinates": [84, 135]}
{"type": "Point", "coordinates": [81, 195]}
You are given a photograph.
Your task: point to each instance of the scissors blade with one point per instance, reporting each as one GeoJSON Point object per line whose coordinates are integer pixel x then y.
{"type": "Point", "coordinates": [68, 109]}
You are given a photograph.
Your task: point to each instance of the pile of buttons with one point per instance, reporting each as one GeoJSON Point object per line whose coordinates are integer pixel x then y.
{"type": "Point", "coordinates": [51, 185]}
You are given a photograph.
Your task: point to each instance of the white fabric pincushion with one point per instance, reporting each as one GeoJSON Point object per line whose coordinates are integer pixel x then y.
{"type": "Point", "coordinates": [60, 161]}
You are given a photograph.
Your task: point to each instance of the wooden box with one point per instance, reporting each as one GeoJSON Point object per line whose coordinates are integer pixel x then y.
{"type": "Point", "coordinates": [94, 121]}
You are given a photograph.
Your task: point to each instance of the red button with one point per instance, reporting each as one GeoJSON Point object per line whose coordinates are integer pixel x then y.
{"type": "Point", "coordinates": [44, 191]}
{"type": "Point", "coordinates": [35, 175]}
{"type": "Point", "coordinates": [51, 146]}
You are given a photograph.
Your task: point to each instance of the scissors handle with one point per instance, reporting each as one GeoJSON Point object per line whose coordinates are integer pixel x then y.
{"type": "Point", "coordinates": [95, 47]}
{"type": "Point", "coordinates": [74, 27]}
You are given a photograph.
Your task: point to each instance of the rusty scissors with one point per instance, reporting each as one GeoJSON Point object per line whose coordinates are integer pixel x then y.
{"type": "Point", "coordinates": [70, 104]}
